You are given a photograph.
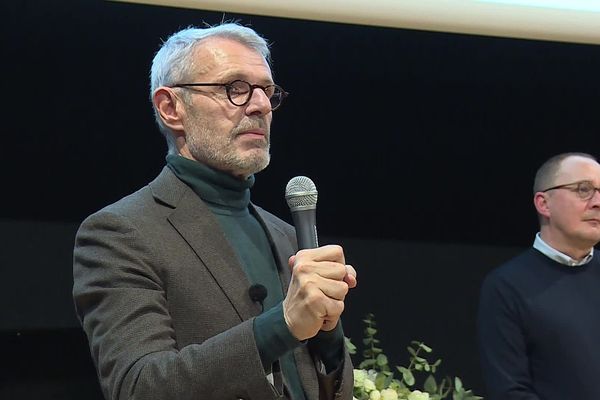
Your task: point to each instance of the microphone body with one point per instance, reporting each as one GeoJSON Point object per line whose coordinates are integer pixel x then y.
{"type": "Point", "coordinates": [301, 196]}
{"type": "Point", "coordinates": [305, 222]}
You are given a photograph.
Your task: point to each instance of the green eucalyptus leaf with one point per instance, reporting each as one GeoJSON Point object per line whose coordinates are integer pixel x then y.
{"type": "Point", "coordinates": [371, 331]}
{"type": "Point", "coordinates": [349, 345]}
{"type": "Point", "coordinates": [408, 377]}
{"type": "Point", "coordinates": [381, 360]}
{"type": "Point", "coordinates": [458, 384]}
{"type": "Point", "coordinates": [430, 385]}
{"type": "Point", "coordinates": [380, 381]}
{"type": "Point", "coordinates": [425, 347]}
{"type": "Point", "coordinates": [366, 364]}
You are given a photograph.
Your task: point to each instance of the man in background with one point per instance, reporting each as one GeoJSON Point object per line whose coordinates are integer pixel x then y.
{"type": "Point", "coordinates": [539, 315]}
{"type": "Point", "coordinates": [162, 277]}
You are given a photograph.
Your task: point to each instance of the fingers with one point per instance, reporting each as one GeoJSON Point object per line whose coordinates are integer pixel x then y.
{"type": "Point", "coordinates": [306, 308]}
{"type": "Point", "coordinates": [325, 269]}
{"type": "Point", "coordinates": [306, 261]}
{"type": "Point", "coordinates": [350, 277]}
{"type": "Point", "coordinates": [315, 298]}
{"type": "Point", "coordinates": [331, 252]}
{"type": "Point", "coordinates": [333, 289]}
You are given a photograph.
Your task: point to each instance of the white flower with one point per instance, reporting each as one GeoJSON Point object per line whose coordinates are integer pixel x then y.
{"type": "Point", "coordinates": [369, 385]}
{"type": "Point", "coordinates": [389, 394]}
{"type": "Point", "coordinates": [375, 395]}
{"type": "Point", "coordinates": [418, 395]}
{"type": "Point", "coordinates": [359, 377]}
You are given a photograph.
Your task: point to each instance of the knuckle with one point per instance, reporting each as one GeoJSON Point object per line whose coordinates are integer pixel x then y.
{"type": "Point", "coordinates": [344, 288]}
{"type": "Point", "coordinates": [338, 250]}
{"type": "Point", "coordinates": [300, 269]}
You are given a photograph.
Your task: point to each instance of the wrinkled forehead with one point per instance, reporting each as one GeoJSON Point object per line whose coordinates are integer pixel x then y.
{"type": "Point", "coordinates": [578, 168]}
{"type": "Point", "coordinates": [215, 55]}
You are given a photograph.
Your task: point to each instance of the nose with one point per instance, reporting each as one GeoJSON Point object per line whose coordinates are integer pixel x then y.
{"type": "Point", "coordinates": [595, 200]}
{"type": "Point", "coordinates": [259, 103]}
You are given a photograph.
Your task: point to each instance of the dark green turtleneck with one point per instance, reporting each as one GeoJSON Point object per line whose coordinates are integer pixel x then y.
{"type": "Point", "coordinates": [228, 198]}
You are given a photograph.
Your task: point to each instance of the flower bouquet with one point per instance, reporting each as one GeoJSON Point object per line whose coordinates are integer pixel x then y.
{"type": "Point", "coordinates": [375, 380]}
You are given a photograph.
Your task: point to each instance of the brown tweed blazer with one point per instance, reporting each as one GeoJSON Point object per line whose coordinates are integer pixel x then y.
{"type": "Point", "coordinates": [164, 302]}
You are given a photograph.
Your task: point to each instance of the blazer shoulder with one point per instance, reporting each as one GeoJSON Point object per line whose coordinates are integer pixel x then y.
{"type": "Point", "coordinates": [155, 200]}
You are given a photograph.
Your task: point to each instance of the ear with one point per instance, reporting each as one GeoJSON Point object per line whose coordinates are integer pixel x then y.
{"type": "Point", "coordinates": [169, 108]}
{"type": "Point", "coordinates": [540, 201]}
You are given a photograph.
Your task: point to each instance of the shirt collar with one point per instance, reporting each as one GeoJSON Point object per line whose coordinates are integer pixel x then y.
{"type": "Point", "coordinates": [557, 256]}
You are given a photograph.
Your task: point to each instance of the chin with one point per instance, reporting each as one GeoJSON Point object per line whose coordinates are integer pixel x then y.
{"type": "Point", "coordinates": [253, 165]}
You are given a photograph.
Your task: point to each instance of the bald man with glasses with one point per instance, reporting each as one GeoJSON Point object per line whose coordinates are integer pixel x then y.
{"type": "Point", "coordinates": [539, 314]}
{"type": "Point", "coordinates": [163, 278]}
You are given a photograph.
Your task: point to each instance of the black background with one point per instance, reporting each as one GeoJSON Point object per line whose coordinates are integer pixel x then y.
{"type": "Point", "coordinates": [419, 142]}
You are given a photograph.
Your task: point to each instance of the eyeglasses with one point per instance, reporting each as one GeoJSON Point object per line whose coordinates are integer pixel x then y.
{"type": "Point", "coordinates": [585, 190]}
{"type": "Point", "coordinates": [239, 92]}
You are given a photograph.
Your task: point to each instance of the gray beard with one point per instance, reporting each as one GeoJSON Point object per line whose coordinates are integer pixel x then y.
{"type": "Point", "coordinates": [223, 156]}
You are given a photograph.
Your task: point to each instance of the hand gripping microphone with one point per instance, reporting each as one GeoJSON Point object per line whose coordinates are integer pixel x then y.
{"type": "Point", "coordinates": [301, 197]}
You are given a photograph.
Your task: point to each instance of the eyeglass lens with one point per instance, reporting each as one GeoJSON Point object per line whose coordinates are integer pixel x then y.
{"type": "Point", "coordinates": [585, 190]}
{"type": "Point", "coordinates": [240, 93]}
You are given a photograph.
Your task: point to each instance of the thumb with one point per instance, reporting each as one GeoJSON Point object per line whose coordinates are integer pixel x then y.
{"type": "Point", "coordinates": [291, 260]}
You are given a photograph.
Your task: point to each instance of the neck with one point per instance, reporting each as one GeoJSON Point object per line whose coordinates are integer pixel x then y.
{"type": "Point", "coordinates": [577, 251]}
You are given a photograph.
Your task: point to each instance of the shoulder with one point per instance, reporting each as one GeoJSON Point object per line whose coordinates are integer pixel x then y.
{"type": "Point", "coordinates": [516, 274]}
{"type": "Point", "coordinates": [147, 205]}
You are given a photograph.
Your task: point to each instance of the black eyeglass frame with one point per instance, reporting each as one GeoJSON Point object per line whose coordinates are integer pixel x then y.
{"type": "Point", "coordinates": [228, 86]}
{"type": "Point", "coordinates": [575, 189]}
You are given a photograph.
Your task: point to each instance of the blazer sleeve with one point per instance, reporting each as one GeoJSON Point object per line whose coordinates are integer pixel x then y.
{"type": "Point", "coordinates": [122, 304]}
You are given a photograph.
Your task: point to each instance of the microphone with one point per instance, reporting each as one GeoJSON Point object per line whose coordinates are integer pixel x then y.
{"type": "Point", "coordinates": [258, 292]}
{"type": "Point", "coordinates": [301, 197]}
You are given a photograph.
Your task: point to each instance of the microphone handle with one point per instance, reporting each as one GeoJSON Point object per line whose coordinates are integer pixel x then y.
{"type": "Point", "coordinates": [306, 228]}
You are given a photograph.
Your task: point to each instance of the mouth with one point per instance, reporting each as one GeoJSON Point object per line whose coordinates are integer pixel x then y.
{"type": "Point", "coordinates": [256, 133]}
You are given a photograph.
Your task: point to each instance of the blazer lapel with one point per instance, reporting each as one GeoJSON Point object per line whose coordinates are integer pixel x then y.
{"type": "Point", "coordinates": [280, 245]}
{"type": "Point", "coordinates": [282, 249]}
{"type": "Point", "coordinates": [200, 229]}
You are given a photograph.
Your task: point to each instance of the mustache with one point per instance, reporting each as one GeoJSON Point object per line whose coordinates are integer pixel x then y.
{"type": "Point", "coordinates": [251, 123]}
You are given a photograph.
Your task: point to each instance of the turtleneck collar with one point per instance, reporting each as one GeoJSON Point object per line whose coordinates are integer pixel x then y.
{"type": "Point", "coordinates": [215, 187]}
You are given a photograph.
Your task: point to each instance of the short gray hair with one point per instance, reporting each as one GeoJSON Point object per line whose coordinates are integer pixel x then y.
{"type": "Point", "coordinates": [546, 174]}
{"type": "Point", "coordinates": [172, 61]}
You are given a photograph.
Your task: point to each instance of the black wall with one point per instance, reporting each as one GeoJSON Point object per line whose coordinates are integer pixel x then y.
{"type": "Point", "coordinates": [422, 145]}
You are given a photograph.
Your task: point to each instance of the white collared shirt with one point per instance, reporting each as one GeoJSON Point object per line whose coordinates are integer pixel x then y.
{"type": "Point", "coordinates": [557, 256]}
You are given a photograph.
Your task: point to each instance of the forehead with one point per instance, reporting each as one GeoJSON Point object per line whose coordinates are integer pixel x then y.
{"type": "Point", "coordinates": [579, 168]}
{"type": "Point", "coordinates": [226, 58]}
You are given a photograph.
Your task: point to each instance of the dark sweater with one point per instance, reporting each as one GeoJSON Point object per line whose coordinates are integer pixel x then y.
{"type": "Point", "coordinates": [539, 330]}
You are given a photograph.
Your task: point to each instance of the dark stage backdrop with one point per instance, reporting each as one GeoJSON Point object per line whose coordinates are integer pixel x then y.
{"type": "Point", "coordinates": [423, 147]}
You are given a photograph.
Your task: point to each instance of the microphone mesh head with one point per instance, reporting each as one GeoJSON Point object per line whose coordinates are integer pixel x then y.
{"type": "Point", "coordinates": [301, 193]}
